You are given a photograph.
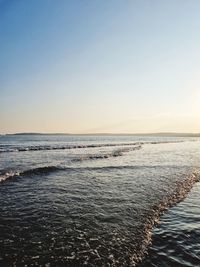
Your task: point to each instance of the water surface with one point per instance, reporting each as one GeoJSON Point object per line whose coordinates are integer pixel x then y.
{"type": "Point", "coordinates": [93, 200]}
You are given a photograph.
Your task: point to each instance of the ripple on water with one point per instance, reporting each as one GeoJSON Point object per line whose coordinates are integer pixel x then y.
{"type": "Point", "coordinates": [176, 239]}
{"type": "Point", "coordinates": [98, 212]}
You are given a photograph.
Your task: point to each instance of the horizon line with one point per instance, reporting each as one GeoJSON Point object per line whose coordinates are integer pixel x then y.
{"type": "Point", "coordinates": [100, 133]}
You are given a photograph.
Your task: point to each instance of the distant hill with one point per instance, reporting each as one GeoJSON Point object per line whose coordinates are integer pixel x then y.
{"type": "Point", "coordinates": [172, 134]}
{"type": "Point", "coordinates": [39, 134]}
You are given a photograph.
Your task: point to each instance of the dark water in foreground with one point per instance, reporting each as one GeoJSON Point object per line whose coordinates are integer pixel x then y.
{"type": "Point", "coordinates": [94, 200]}
{"type": "Point", "coordinates": [176, 241]}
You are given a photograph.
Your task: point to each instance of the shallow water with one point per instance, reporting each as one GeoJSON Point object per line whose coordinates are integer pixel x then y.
{"type": "Point", "coordinates": [93, 200]}
{"type": "Point", "coordinates": [176, 241]}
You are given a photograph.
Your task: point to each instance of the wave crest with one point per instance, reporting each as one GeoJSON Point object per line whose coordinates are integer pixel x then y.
{"type": "Point", "coordinates": [179, 194]}
{"type": "Point", "coordinates": [113, 154]}
{"type": "Point", "coordinates": [65, 147]}
{"type": "Point", "coordinates": [35, 171]}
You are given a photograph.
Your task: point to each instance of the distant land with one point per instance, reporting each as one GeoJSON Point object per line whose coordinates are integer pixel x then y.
{"type": "Point", "coordinates": [173, 134]}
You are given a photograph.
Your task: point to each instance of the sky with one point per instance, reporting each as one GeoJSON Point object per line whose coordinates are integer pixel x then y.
{"type": "Point", "coordinates": [99, 66]}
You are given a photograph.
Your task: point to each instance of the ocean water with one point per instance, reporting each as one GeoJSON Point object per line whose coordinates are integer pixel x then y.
{"type": "Point", "coordinates": [99, 201]}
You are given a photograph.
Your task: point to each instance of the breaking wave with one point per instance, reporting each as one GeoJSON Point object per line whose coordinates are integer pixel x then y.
{"type": "Point", "coordinates": [4, 175]}
{"type": "Point", "coordinates": [179, 193]}
{"type": "Point", "coordinates": [47, 169]}
{"type": "Point", "coordinates": [115, 153]}
{"type": "Point", "coordinates": [65, 147]}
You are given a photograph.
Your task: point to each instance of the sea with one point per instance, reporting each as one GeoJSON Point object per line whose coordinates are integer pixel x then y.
{"type": "Point", "coordinates": [92, 200]}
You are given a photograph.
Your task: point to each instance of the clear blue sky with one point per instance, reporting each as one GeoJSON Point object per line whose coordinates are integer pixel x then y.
{"type": "Point", "coordinates": [99, 66]}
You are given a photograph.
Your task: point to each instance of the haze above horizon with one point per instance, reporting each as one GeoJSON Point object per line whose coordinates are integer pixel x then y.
{"type": "Point", "coordinates": [99, 66]}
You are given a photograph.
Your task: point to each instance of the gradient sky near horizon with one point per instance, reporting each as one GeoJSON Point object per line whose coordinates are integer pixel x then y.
{"type": "Point", "coordinates": [99, 66]}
